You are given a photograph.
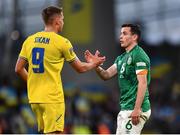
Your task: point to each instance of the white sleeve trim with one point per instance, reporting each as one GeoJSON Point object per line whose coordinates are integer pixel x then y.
{"type": "Point", "coordinates": [140, 64]}
{"type": "Point", "coordinates": [115, 65]}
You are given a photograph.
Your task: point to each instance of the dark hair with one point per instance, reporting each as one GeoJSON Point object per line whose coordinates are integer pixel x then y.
{"type": "Point", "coordinates": [135, 29]}
{"type": "Point", "coordinates": [49, 12]}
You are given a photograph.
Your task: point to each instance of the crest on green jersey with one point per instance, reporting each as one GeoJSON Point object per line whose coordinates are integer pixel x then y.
{"type": "Point", "coordinates": [129, 60]}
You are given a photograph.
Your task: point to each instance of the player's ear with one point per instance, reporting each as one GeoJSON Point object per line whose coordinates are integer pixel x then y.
{"type": "Point", "coordinates": [135, 37]}
{"type": "Point", "coordinates": [56, 21]}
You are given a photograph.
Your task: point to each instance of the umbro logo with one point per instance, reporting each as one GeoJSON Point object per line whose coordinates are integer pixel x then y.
{"type": "Point", "coordinates": [58, 118]}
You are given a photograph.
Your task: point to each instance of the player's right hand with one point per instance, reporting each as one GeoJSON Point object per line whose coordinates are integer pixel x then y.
{"type": "Point", "coordinates": [96, 58]}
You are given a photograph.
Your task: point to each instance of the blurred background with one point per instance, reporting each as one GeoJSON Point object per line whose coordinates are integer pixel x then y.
{"type": "Point", "coordinates": [92, 104]}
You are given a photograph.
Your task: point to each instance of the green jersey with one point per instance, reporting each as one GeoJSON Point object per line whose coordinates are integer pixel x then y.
{"type": "Point", "coordinates": [128, 65]}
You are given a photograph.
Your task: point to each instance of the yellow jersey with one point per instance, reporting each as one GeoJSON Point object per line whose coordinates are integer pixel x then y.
{"type": "Point", "coordinates": [45, 53]}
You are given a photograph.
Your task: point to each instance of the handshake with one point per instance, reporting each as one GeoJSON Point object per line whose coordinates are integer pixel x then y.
{"type": "Point", "coordinates": [95, 59]}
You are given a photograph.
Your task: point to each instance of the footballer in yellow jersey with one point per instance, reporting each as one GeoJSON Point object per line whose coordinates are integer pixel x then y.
{"type": "Point", "coordinates": [45, 53]}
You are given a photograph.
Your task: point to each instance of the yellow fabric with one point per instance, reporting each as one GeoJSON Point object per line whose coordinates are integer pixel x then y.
{"type": "Point", "coordinates": [50, 117]}
{"type": "Point", "coordinates": [78, 29]}
{"type": "Point", "coordinates": [45, 53]}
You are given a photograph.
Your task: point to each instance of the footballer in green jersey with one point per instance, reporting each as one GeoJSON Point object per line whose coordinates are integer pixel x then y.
{"type": "Point", "coordinates": [133, 71]}
{"type": "Point", "coordinates": [129, 64]}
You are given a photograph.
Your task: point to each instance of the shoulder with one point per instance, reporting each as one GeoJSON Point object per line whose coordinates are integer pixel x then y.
{"type": "Point", "coordinates": [118, 58]}
{"type": "Point", "coordinates": [63, 40]}
{"type": "Point", "coordinates": [122, 55]}
{"type": "Point", "coordinates": [139, 57]}
{"type": "Point", "coordinates": [139, 52]}
{"type": "Point", "coordinates": [31, 37]}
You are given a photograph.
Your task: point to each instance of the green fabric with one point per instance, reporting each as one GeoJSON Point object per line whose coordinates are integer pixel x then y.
{"type": "Point", "coordinates": [127, 65]}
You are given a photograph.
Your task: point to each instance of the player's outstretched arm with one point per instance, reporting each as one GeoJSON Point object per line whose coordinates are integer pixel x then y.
{"type": "Point", "coordinates": [20, 68]}
{"type": "Point", "coordinates": [106, 74]}
{"type": "Point", "coordinates": [102, 73]}
{"type": "Point", "coordinates": [82, 67]}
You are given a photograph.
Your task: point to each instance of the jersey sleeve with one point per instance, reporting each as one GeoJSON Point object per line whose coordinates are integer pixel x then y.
{"type": "Point", "coordinates": [116, 60]}
{"type": "Point", "coordinates": [23, 52]}
{"type": "Point", "coordinates": [142, 63]}
{"type": "Point", "coordinates": [68, 51]}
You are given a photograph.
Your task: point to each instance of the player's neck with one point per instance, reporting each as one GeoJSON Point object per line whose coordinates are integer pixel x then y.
{"type": "Point", "coordinates": [50, 29]}
{"type": "Point", "coordinates": [130, 47]}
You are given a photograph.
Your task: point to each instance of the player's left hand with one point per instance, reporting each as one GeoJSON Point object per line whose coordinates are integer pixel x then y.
{"type": "Point", "coordinates": [135, 116]}
{"type": "Point", "coordinates": [88, 56]}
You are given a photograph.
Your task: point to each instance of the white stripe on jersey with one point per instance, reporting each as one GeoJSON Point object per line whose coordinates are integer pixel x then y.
{"type": "Point", "coordinates": [115, 65]}
{"type": "Point", "coordinates": [141, 64]}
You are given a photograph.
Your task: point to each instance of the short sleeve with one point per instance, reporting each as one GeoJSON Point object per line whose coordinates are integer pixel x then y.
{"type": "Point", "coordinates": [142, 62]}
{"type": "Point", "coordinates": [68, 51]}
{"type": "Point", "coordinates": [116, 60]}
{"type": "Point", "coordinates": [23, 53]}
